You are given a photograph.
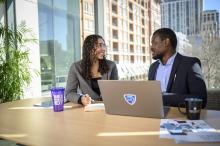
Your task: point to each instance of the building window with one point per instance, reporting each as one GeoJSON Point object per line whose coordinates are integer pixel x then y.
{"type": "Point", "coordinates": [89, 25]}
{"type": "Point", "coordinates": [142, 20]}
{"type": "Point", "coordinates": [143, 31]}
{"type": "Point", "coordinates": [116, 58]}
{"type": "Point", "coordinates": [114, 9]}
{"type": "Point", "coordinates": [213, 17]}
{"type": "Point", "coordinates": [142, 3]}
{"type": "Point", "coordinates": [86, 7]}
{"type": "Point", "coordinates": [114, 21]}
{"type": "Point", "coordinates": [144, 59]}
{"type": "Point", "coordinates": [115, 34]}
{"type": "Point", "coordinates": [131, 16]}
{"type": "Point", "coordinates": [115, 46]}
{"type": "Point", "coordinates": [131, 38]}
{"type": "Point", "coordinates": [131, 27]}
{"type": "Point", "coordinates": [132, 58]}
{"type": "Point", "coordinates": [142, 13]}
{"type": "Point", "coordinates": [204, 18]}
{"type": "Point", "coordinates": [132, 48]}
{"type": "Point", "coordinates": [143, 50]}
{"type": "Point", "coordinates": [143, 40]}
{"type": "Point", "coordinates": [57, 43]}
{"type": "Point", "coordinates": [130, 6]}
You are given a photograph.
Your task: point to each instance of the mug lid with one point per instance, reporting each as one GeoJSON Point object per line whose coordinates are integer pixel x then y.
{"type": "Point", "coordinates": [57, 88]}
{"type": "Point", "coordinates": [193, 99]}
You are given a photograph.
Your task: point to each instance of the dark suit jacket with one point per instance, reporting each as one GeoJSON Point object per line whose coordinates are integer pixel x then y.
{"type": "Point", "coordinates": [77, 85]}
{"type": "Point", "coordinates": [185, 79]}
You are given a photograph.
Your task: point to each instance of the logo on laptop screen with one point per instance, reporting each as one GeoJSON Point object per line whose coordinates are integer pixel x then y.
{"type": "Point", "coordinates": [130, 98]}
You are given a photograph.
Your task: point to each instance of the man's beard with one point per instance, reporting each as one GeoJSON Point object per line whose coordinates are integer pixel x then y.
{"type": "Point", "coordinates": [158, 56]}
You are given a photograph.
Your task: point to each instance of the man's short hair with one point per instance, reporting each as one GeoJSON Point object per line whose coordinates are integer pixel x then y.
{"type": "Point", "coordinates": [164, 33]}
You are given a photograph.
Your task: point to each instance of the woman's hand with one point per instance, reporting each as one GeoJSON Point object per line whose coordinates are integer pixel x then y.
{"type": "Point", "coordinates": [86, 99]}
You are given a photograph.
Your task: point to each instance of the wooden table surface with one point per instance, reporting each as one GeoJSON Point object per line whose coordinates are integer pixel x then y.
{"type": "Point", "coordinates": [22, 123]}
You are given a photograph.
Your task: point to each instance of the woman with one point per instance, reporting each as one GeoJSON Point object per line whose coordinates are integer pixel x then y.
{"type": "Point", "coordinates": [82, 86]}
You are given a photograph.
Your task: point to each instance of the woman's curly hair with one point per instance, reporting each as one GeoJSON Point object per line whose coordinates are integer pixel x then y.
{"type": "Point", "coordinates": [88, 50]}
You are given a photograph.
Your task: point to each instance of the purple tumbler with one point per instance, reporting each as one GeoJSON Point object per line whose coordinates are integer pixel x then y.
{"type": "Point", "coordinates": [57, 94]}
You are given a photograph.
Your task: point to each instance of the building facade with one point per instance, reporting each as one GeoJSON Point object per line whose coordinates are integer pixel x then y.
{"type": "Point", "coordinates": [128, 27]}
{"type": "Point", "coordinates": [182, 15]}
{"type": "Point", "coordinates": [87, 16]}
{"type": "Point", "coordinates": [210, 23]}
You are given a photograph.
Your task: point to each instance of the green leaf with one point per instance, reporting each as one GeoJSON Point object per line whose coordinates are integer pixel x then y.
{"type": "Point", "coordinates": [14, 62]}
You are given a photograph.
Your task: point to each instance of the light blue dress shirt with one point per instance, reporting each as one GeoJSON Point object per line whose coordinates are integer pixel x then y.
{"type": "Point", "coordinates": [163, 72]}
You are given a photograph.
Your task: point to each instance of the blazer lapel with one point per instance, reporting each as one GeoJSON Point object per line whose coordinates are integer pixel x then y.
{"type": "Point", "coordinates": [152, 75]}
{"type": "Point", "coordinates": [173, 72]}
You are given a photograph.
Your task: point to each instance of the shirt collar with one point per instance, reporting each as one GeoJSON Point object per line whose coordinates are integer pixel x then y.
{"type": "Point", "coordinates": [170, 60]}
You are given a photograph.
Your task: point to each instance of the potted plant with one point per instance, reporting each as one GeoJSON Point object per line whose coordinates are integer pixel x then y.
{"type": "Point", "coordinates": [14, 62]}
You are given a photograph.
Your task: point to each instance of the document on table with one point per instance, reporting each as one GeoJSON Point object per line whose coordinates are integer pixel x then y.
{"type": "Point", "coordinates": [45, 104]}
{"type": "Point", "coordinates": [199, 137]}
{"type": "Point", "coordinates": [48, 105]}
{"type": "Point", "coordinates": [94, 107]}
{"type": "Point", "coordinates": [183, 131]}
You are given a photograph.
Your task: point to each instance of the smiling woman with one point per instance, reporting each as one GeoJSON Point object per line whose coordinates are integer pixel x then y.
{"type": "Point", "coordinates": [84, 74]}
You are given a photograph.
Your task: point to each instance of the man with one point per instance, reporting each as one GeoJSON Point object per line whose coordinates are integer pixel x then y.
{"type": "Point", "coordinates": [177, 73]}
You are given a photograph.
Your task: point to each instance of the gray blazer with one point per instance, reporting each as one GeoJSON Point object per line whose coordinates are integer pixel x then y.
{"type": "Point", "coordinates": [77, 85]}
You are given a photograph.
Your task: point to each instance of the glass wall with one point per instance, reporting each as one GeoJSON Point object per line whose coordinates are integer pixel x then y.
{"type": "Point", "coordinates": [7, 13]}
{"type": "Point", "coordinates": [10, 14]}
{"type": "Point", "coordinates": [59, 37]}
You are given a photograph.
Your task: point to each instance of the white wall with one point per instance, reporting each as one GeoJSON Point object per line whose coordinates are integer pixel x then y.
{"type": "Point", "coordinates": [27, 10]}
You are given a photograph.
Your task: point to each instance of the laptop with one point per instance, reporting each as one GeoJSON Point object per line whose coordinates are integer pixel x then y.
{"type": "Point", "coordinates": [132, 98]}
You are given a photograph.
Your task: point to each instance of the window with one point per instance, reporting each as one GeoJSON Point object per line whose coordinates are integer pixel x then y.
{"type": "Point", "coordinates": [132, 59]}
{"type": "Point", "coordinates": [116, 58]}
{"type": "Point", "coordinates": [114, 21]}
{"type": "Point", "coordinates": [142, 13]}
{"type": "Point", "coordinates": [86, 7]}
{"type": "Point", "coordinates": [114, 8]}
{"type": "Point", "coordinates": [115, 34]}
{"type": "Point", "coordinates": [56, 43]}
{"type": "Point", "coordinates": [131, 38]}
{"type": "Point", "coordinates": [143, 49]}
{"type": "Point", "coordinates": [142, 20]}
{"type": "Point", "coordinates": [142, 3]}
{"type": "Point", "coordinates": [132, 48]}
{"type": "Point", "coordinates": [130, 6]}
{"type": "Point", "coordinates": [131, 27]}
{"type": "Point", "coordinates": [115, 46]}
{"type": "Point", "coordinates": [143, 31]}
{"type": "Point", "coordinates": [143, 40]}
{"type": "Point", "coordinates": [213, 17]}
{"type": "Point", "coordinates": [144, 59]}
{"type": "Point", "coordinates": [131, 16]}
